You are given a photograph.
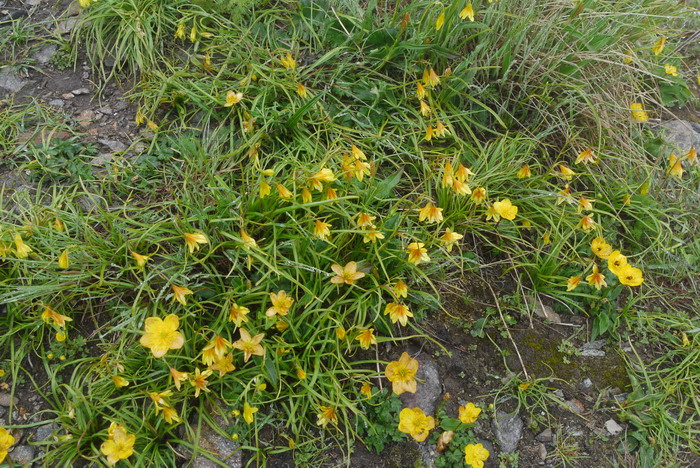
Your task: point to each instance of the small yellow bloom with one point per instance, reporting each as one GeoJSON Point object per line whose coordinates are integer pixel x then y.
{"type": "Point", "coordinates": [630, 276]}
{"type": "Point", "coordinates": [440, 130]}
{"type": "Point", "coordinates": [180, 31]}
{"type": "Point", "coordinates": [340, 333]}
{"type": "Point", "coordinates": [152, 125]}
{"type": "Point", "coordinates": [398, 313]}
{"type": "Point", "coordinates": [223, 365]}
{"type": "Point", "coordinates": [180, 294]}
{"type": "Point", "coordinates": [463, 173]}
{"type": "Point", "coordinates": [366, 338]}
{"type": "Point", "coordinates": [322, 230]}
{"type": "Point", "coordinates": [326, 416]}
{"type": "Point", "coordinates": [564, 195]}
{"type": "Point", "coordinates": [692, 156]}
{"type": "Point", "coordinates": [178, 377]}
{"type": "Point", "coordinates": [265, 189]}
{"type": "Point", "coordinates": [675, 166]}
{"type": "Point", "coordinates": [658, 46]}
{"type": "Point", "coordinates": [238, 314]}
{"type": "Point", "coordinates": [565, 172]}
{"type": "Point", "coordinates": [420, 91]}
{"type": "Point", "coordinates": [461, 188]}
{"type": "Point", "coordinates": [199, 381]}
{"type": "Point", "coordinates": [22, 250]}
{"type": "Point", "coordinates": [61, 336]}
{"type": "Point", "coordinates": [331, 194]}
{"type": "Point", "coordinates": [162, 335]}
{"type": "Point", "coordinates": [357, 153]}
{"type": "Point", "coordinates": [524, 172]}
{"type": "Point", "coordinates": [347, 274]}
{"type": "Point", "coordinates": [475, 455]}
{"type": "Point", "coordinates": [447, 178]}
{"type": "Point", "coordinates": [587, 156]}
{"type": "Point", "coordinates": [572, 283]}
{"type": "Point", "coordinates": [431, 213]}
{"type": "Point", "coordinates": [402, 374]}
{"type": "Point", "coordinates": [586, 223]}
{"type": "Point", "coordinates": [366, 389]}
{"type": "Point", "coordinates": [417, 253]}
{"type": "Point", "coordinates": [193, 34]}
{"type": "Point", "coordinates": [671, 69]}
{"type": "Point", "coordinates": [119, 381]}
{"type": "Point", "coordinates": [467, 12]}
{"type": "Point", "coordinates": [449, 239]}
{"type": "Point", "coordinates": [140, 259]}
{"type": "Point", "coordinates": [63, 262]}
{"type": "Point", "coordinates": [233, 98]}
{"type": "Point", "coordinates": [429, 133]}
{"type": "Point", "coordinates": [301, 373]}
{"type": "Point", "coordinates": [479, 195]}
{"type": "Point", "coordinates": [469, 414]}
{"type": "Point", "coordinates": [119, 445]}
{"type": "Point", "coordinates": [58, 225]}
{"type": "Point", "coordinates": [372, 234]}
{"type": "Point", "coordinates": [281, 304]}
{"type": "Point", "coordinates": [440, 22]}
{"type": "Point", "coordinates": [596, 278]}
{"type": "Point", "coordinates": [288, 62]}
{"type": "Point", "coordinates": [616, 262]}
{"type": "Point", "coordinates": [301, 91]}
{"type": "Point", "coordinates": [506, 209]}
{"type": "Point", "coordinates": [400, 289]}
{"type": "Point", "coordinates": [546, 238]}
{"type": "Point", "coordinates": [638, 112]}
{"type": "Point", "coordinates": [170, 415]}
{"type": "Point", "coordinates": [430, 78]}
{"type": "Point", "coordinates": [424, 108]}
{"type": "Point", "coordinates": [250, 345]}
{"type": "Point", "coordinates": [249, 413]}
{"type": "Point", "coordinates": [50, 315]}
{"type": "Point", "coordinates": [414, 422]}
{"type": "Point", "coordinates": [194, 239]}
{"type": "Point", "coordinates": [306, 196]}
{"type": "Point", "coordinates": [283, 192]}
{"type": "Point", "coordinates": [364, 219]}
{"type": "Point", "coordinates": [585, 204]}
{"type": "Point", "coordinates": [600, 248]}
{"type": "Point", "coordinates": [324, 175]}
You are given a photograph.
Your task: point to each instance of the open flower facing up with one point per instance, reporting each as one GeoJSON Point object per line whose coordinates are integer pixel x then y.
{"type": "Point", "coordinates": [600, 248]}
{"type": "Point", "coordinates": [364, 219]}
{"type": "Point", "coordinates": [475, 455]}
{"type": "Point", "coordinates": [402, 374]}
{"type": "Point", "coordinates": [281, 304]}
{"type": "Point", "coordinates": [199, 381]}
{"type": "Point", "coordinates": [506, 209]}
{"type": "Point", "coordinates": [587, 157]}
{"type": "Point", "coordinates": [467, 12]}
{"type": "Point", "coordinates": [326, 416]}
{"type": "Point", "coordinates": [449, 239]}
{"type": "Point", "coordinates": [414, 422]}
{"type": "Point", "coordinates": [596, 278]}
{"type": "Point", "coordinates": [630, 276]}
{"type": "Point", "coordinates": [322, 230]}
{"type": "Point", "coordinates": [398, 313]}
{"type": "Point", "coordinates": [180, 294]}
{"type": "Point", "coordinates": [233, 98]}
{"type": "Point", "coordinates": [616, 262]}
{"type": "Point", "coordinates": [347, 274]}
{"type": "Point", "coordinates": [6, 441]}
{"type": "Point", "coordinates": [219, 345]}
{"type": "Point", "coordinates": [586, 223]}
{"type": "Point", "coordinates": [479, 195]}
{"type": "Point", "coordinates": [119, 445]}
{"type": "Point", "coordinates": [366, 338]}
{"type": "Point", "coordinates": [366, 389]}
{"type": "Point", "coordinates": [671, 69]}
{"type": "Point", "coordinates": [194, 239]}
{"type": "Point", "coordinates": [372, 234]}
{"type": "Point", "coordinates": [178, 377]}
{"type": "Point", "coordinates": [417, 253]}
{"type": "Point", "coordinates": [469, 413]}
{"type": "Point", "coordinates": [162, 335]}
{"type": "Point", "coordinates": [22, 250]}
{"type": "Point", "coordinates": [431, 213]}
{"type": "Point", "coordinates": [638, 112]}
{"type": "Point", "coordinates": [238, 314]}
{"type": "Point", "coordinates": [249, 413]}
{"type": "Point", "coordinates": [223, 365]}
{"type": "Point", "coordinates": [572, 283]}
{"type": "Point", "coordinates": [249, 345]}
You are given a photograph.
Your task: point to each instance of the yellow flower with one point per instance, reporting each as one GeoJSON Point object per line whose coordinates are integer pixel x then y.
{"type": "Point", "coordinates": [199, 381]}
{"type": "Point", "coordinates": [675, 166]}
{"type": "Point", "coordinates": [340, 333]}
{"type": "Point", "coordinates": [469, 414]}
{"type": "Point", "coordinates": [413, 421]}
{"type": "Point", "coordinates": [119, 381]}
{"type": "Point", "coordinates": [178, 377]}
{"type": "Point", "coordinates": [306, 196]}
{"type": "Point", "coordinates": [281, 303]}
{"type": "Point", "coordinates": [194, 239]}
{"type": "Point", "coordinates": [546, 238]}
{"type": "Point", "coordinates": [564, 195]}
{"type": "Point", "coordinates": [301, 91]}
{"type": "Point", "coordinates": [288, 62]}
{"type": "Point", "coordinates": [208, 356]}
{"type": "Point", "coordinates": [430, 78]}
{"type": "Point", "coordinates": [170, 415]}
{"type": "Point", "coordinates": [398, 313]}
{"type": "Point", "coordinates": [140, 259]}
{"type": "Point", "coordinates": [119, 445]}
{"type": "Point", "coordinates": [417, 253]}
{"type": "Point", "coordinates": [475, 455]}
{"type": "Point", "coordinates": [50, 315]}
{"type": "Point", "coordinates": [463, 173]}
{"type": "Point", "coordinates": [180, 294]}
{"type": "Point", "coordinates": [479, 195]}
{"type": "Point", "coordinates": [586, 223]}
{"type": "Point", "coordinates": [467, 12]}
{"type": "Point", "coordinates": [162, 335]}
{"type": "Point", "coordinates": [152, 125]}
{"type": "Point", "coordinates": [301, 373]}
{"type": "Point", "coordinates": [58, 225]}
{"type": "Point", "coordinates": [420, 90]}
{"type": "Point", "coordinates": [250, 345]}
{"type": "Point", "coordinates": [616, 262]}
{"type": "Point", "coordinates": [506, 209]}
{"type": "Point", "coordinates": [233, 98]}
{"type": "Point", "coordinates": [585, 204]}
{"type": "Point", "coordinates": [365, 219]}
{"type": "Point", "coordinates": [61, 336]}
{"type": "Point", "coordinates": [638, 112]}
{"type": "Point", "coordinates": [159, 399]}
{"type": "Point", "coordinates": [324, 175]}
{"type": "Point", "coordinates": [600, 248]}
{"type": "Point", "coordinates": [565, 172]}
{"type": "Point", "coordinates": [402, 374]}
{"type": "Point", "coordinates": [22, 250]}
{"type": "Point", "coordinates": [429, 132]}
{"type": "Point", "coordinates": [447, 179]}
{"type": "Point", "coordinates": [524, 172]}
{"type": "Point", "coordinates": [596, 278]}
{"type": "Point", "coordinates": [249, 412]}
{"type": "Point", "coordinates": [572, 283]}
{"type": "Point", "coordinates": [180, 31]}
{"type": "Point", "coordinates": [366, 389]}
{"type": "Point", "coordinates": [326, 416]}
{"type": "Point", "coordinates": [449, 239]}
{"type": "Point", "coordinates": [264, 189]}
{"type": "Point", "coordinates": [283, 192]}
{"type": "Point", "coordinates": [372, 234]}
{"type": "Point", "coordinates": [248, 242]}
{"type": "Point", "coordinates": [658, 46]}
{"type": "Point", "coordinates": [431, 213]}
{"type": "Point", "coordinates": [671, 69]}
{"type": "Point", "coordinates": [224, 365]}
{"type": "Point", "coordinates": [357, 153]}
{"type": "Point", "coordinates": [492, 214]}
{"type": "Point", "coordinates": [630, 276]}
{"type": "Point", "coordinates": [219, 345]}
{"type": "Point", "coordinates": [692, 156]}
{"type": "Point", "coordinates": [440, 22]}
{"type": "Point", "coordinates": [238, 314]}
{"type": "Point", "coordinates": [63, 262]}
{"type": "Point", "coordinates": [347, 274]}
{"type": "Point", "coordinates": [440, 130]}
{"type": "Point", "coordinates": [322, 230]}
{"type": "Point", "coordinates": [6, 441]}
{"type": "Point", "coordinates": [193, 34]}
{"type": "Point", "coordinates": [366, 338]}
{"type": "Point", "coordinates": [400, 289]}
{"type": "Point", "coordinates": [586, 156]}
{"type": "Point", "coordinates": [424, 108]}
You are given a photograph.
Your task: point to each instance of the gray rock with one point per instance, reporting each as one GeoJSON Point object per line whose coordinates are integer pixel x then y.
{"type": "Point", "coordinates": [6, 399]}
{"type": "Point", "coordinates": [57, 102]}
{"type": "Point", "coordinates": [429, 390]}
{"type": "Point", "coordinates": [613, 427]}
{"type": "Point", "coordinates": [508, 429]}
{"type": "Point", "coordinates": [10, 82]}
{"type": "Point", "coordinates": [219, 446]}
{"type": "Point", "coordinates": [45, 431]}
{"type": "Point", "coordinates": [593, 349]}
{"type": "Point", "coordinates": [586, 384]}
{"type": "Point", "coordinates": [681, 135]}
{"type": "Point", "coordinates": [43, 56]}
{"type": "Point", "coordinates": [80, 91]}
{"type": "Point", "coordinates": [67, 96]}
{"type": "Point", "coordinates": [575, 406]}
{"type": "Point", "coordinates": [113, 145]}
{"type": "Point", "coordinates": [102, 159]}
{"type": "Point", "coordinates": [545, 436]}
{"type": "Point", "coordinates": [22, 455]}
{"type": "Point", "coordinates": [66, 26]}
{"type": "Point", "coordinates": [542, 451]}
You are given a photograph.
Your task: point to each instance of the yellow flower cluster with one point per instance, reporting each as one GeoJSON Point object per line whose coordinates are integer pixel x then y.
{"type": "Point", "coordinates": [119, 444]}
